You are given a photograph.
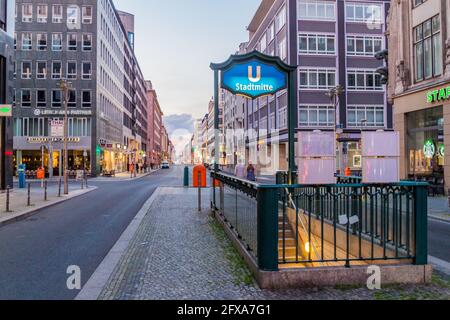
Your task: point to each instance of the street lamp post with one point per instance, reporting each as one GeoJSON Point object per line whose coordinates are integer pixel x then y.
{"type": "Point", "coordinates": [334, 94]}
{"type": "Point", "coordinates": [65, 85]}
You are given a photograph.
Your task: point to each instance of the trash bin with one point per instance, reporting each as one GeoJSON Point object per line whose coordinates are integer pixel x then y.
{"type": "Point", "coordinates": [22, 177]}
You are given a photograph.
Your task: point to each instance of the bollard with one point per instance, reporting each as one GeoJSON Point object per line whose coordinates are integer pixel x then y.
{"type": "Point", "coordinates": [186, 177]}
{"type": "Point", "coordinates": [199, 192]}
{"type": "Point", "coordinates": [29, 195]}
{"type": "Point", "coordinates": [82, 184]}
{"type": "Point", "coordinates": [45, 190]}
{"type": "Point", "coordinates": [59, 188]}
{"type": "Point", "coordinates": [7, 199]}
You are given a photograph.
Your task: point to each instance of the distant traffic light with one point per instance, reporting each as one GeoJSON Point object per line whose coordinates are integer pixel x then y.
{"type": "Point", "coordinates": [384, 70]}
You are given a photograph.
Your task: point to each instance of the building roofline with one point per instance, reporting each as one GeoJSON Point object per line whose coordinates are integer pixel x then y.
{"type": "Point", "coordinates": [260, 14]}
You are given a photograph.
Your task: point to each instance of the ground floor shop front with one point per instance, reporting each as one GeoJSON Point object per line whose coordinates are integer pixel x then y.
{"type": "Point", "coordinates": [423, 119]}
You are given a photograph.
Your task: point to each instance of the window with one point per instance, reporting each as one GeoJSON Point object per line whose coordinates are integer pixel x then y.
{"type": "Point", "coordinates": [41, 98]}
{"type": "Point", "coordinates": [56, 98]}
{"type": "Point", "coordinates": [57, 13]}
{"type": "Point", "coordinates": [27, 12]}
{"type": "Point", "coordinates": [79, 127]}
{"type": "Point", "coordinates": [282, 118]}
{"type": "Point", "coordinates": [42, 13]}
{"type": "Point", "coordinates": [271, 32]}
{"type": "Point", "coordinates": [26, 98]}
{"type": "Point", "coordinates": [56, 41]}
{"type": "Point", "coordinates": [56, 70]}
{"type": "Point", "coordinates": [428, 49]}
{"type": "Point", "coordinates": [41, 39]}
{"type": "Point", "coordinates": [317, 78]}
{"type": "Point", "coordinates": [26, 70]}
{"type": "Point", "coordinates": [71, 70]}
{"type": "Point", "coordinates": [86, 99]}
{"type": "Point", "coordinates": [263, 43]}
{"type": "Point", "coordinates": [87, 71]}
{"type": "Point", "coordinates": [41, 70]}
{"type": "Point", "coordinates": [363, 80]}
{"type": "Point", "coordinates": [280, 19]}
{"type": "Point", "coordinates": [365, 13]}
{"type": "Point", "coordinates": [316, 10]}
{"type": "Point", "coordinates": [87, 42]}
{"type": "Point", "coordinates": [317, 44]}
{"type": "Point", "coordinates": [282, 49]}
{"type": "Point", "coordinates": [364, 45]}
{"type": "Point", "coordinates": [73, 13]}
{"type": "Point", "coordinates": [72, 98]}
{"type": "Point", "coordinates": [365, 116]}
{"type": "Point", "coordinates": [27, 44]}
{"type": "Point", "coordinates": [316, 116]}
{"type": "Point", "coordinates": [417, 3]}
{"type": "Point", "coordinates": [87, 14]}
{"type": "Point", "coordinates": [72, 42]}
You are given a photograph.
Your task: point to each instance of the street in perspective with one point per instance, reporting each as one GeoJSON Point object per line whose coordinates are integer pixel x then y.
{"type": "Point", "coordinates": [260, 152]}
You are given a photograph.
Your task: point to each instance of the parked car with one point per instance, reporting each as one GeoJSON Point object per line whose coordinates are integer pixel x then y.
{"type": "Point", "coordinates": [165, 165]}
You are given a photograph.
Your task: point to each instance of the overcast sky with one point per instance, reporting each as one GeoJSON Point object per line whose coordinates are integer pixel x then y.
{"type": "Point", "coordinates": [177, 39]}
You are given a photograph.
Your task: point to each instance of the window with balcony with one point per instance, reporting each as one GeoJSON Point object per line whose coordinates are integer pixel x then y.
{"type": "Point", "coordinates": [280, 19]}
{"type": "Point", "coordinates": [428, 55]}
{"type": "Point", "coordinates": [363, 12]}
{"type": "Point", "coordinates": [312, 78]}
{"type": "Point", "coordinates": [41, 39]}
{"type": "Point", "coordinates": [26, 70]}
{"type": "Point", "coordinates": [87, 14]}
{"type": "Point", "coordinates": [87, 70]}
{"type": "Point", "coordinates": [317, 44]}
{"type": "Point", "coordinates": [282, 118]}
{"type": "Point", "coordinates": [364, 45]}
{"type": "Point", "coordinates": [86, 101]}
{"type": "Point", "coordinates": [72, 42]}
{"type": "Point", "coordinates": [72, 98]}
{"type": "Point", "coordinates": [365, 80]}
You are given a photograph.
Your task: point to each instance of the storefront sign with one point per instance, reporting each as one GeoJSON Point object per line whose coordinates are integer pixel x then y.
{"type": "Point", "coordinates": [254, 79]}
{"type": "Point", "coordinates": [47, 112]}
{"type": "Point", "coordinates": [438, 95]}
{"type": "Point", "coordinates": [5, 110]}
{"type": "Point", "coordinates": [429, 149]}
{"type": "Point", "coordinates": [39, 140]}
{"type": "Point", "coordinates": [57, 128]}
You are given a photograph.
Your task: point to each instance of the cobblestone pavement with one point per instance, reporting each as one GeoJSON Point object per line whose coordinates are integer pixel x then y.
{"type": "Point", "coordinates": [179, 253]}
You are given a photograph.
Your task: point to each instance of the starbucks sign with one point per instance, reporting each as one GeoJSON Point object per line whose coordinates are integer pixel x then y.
{"type": "Point", "coordinates": [429, 149]}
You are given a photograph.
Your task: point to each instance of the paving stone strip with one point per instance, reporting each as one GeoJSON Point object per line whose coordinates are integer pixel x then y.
{"type": "Point", "coordinates": [179, 253]}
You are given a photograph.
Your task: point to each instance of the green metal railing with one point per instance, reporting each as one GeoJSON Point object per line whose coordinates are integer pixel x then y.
{"type": "Point", "coordinates": [346, 223]}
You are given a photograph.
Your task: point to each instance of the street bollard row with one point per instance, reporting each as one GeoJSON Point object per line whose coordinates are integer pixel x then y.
{"type": "Point", "coordinates": [44, 185]}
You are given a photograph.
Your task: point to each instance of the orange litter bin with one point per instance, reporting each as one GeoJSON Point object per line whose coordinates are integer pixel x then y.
{"type": "Point", "coordinates": [199, 171]}
{"type": "Point", "coordinates": [40, 174]}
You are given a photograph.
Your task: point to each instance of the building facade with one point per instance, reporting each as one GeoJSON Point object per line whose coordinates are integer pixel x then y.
{"type": "Point", "coordinates": [6, 92]}
{"type": "Point", "coordinates": [333, 44]}
{"type": "Point", "coordinates": [419, 87]}
{"type": "Point", "coordinates": [86, 44]}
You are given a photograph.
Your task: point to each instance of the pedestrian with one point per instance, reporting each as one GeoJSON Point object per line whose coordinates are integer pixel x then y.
{"type": "Point", "coordinates": [239, 171]}
{"type": "Point", "coordinates": [251, 172]}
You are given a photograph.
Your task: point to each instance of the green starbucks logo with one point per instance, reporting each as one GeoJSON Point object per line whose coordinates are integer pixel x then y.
{"type": "Point", "coordinates": [429, 149]}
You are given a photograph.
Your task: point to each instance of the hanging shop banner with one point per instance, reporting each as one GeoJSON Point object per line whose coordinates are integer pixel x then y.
{"type": "Point", "coordinates": [253, 74]}
{"type": "Point", "coordinates": [57, 128]}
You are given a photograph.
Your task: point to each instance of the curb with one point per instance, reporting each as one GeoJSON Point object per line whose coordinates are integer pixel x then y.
{"type": "Point", "coordinates": [94, 286]}
{"type": "Point", "coordinates": [28, 213]}
{"type": "Point", "coordinates": [440, 265]}
{"type": "Point", "coordinates": [436, 218]}
{"type": "Point", "coordinates": [122, 180]}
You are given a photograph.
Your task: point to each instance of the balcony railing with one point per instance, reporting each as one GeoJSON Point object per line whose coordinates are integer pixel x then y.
{"type": "Point", "coordinates": [345, 224]}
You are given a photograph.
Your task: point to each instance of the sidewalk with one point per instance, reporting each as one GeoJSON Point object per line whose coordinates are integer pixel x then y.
{"type": "Point", "coordinates": [19, 200]}
{"type": "Point", "coordinates": [172, 251]}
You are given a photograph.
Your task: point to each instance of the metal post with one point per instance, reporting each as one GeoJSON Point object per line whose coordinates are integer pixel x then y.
{"type": "Point", "coordinates": [7, 199]}
{"type": "Point", "coordinates": [292, 122]}
{"type": "Point", "coordinates": [421, 218]}
{"type": "Point", "coordinates": [199, 192]}
{"type": "Point", "coordinates": [45, 190]}
{"type": "Point", "coordinates": [29, 195]}
{"type": "Point", "coordinates": [59, 187]}
{"type": "Point", "coordinates": [64, 85]}
{"type": "Point", "coordinates": [216, 130]}
{"type": "Point", "coordinates": [82, 183]}
{"type": "Point", "coordinates": [267, 229]}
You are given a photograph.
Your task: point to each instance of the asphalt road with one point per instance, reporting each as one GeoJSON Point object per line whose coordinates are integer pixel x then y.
{"type": "Point", "coordinates": [439, 239]}
{"type": "Point", "coordinates": [35, 253]}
